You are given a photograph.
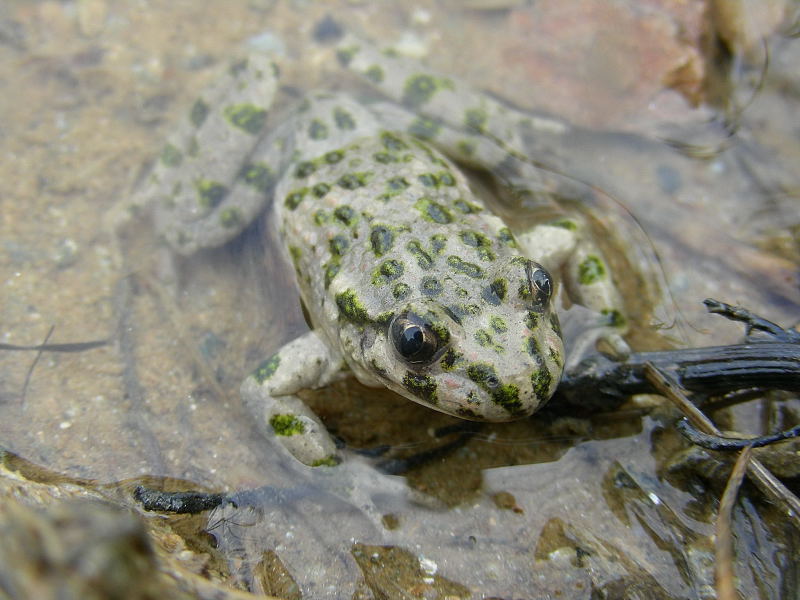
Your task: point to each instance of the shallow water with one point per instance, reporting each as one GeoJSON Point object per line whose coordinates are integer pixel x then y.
{"type": "Point", "coordinates": [88, 91]}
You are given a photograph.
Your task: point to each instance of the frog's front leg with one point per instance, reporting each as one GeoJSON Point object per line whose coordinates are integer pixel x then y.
{"type": "Point", "coordinates": [564, 246]}
{"type": "Point", "coordinates": [269, 393]}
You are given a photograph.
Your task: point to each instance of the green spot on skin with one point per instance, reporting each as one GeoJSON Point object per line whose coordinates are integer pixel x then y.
{"type": "Point", "coordinates": [328, 461]}
{"type": "Point", "coordinates": [334, 157]}
{"type": "Point", "coordinates": [556, 326]}
{"type": "Point", "coordinates": [320, 189]}
{"type": "Point", "coordinates": [450, 359]}
{"type": "Point", "coordinates": [483, 338]}
{"type": "Point", "coordinates": [293, 199]}
{"type": "Point", "coordinates": [352, 181]}
{"type": "Point", "coordinates": [446, 178]}
{"type": "Point", "coordinates": [421, 88]}
{"type": "Point", "coordinates": [498, 324]}
{"type": "Point", "coordinates": [421, 386]}
{"type": "Point", "coordinates": [401, 291]}
{"type": "Point", "coordinates": [506, 237]}
{"type": "Point", "coordinates": [475, 120]}
{"type": "Point", "coordinates": [381, 239]}
{"type": "Point", "coordinates": [339, 245]}
{"type": "Point", "coordinates": [331, 270]}
{"type": "Point", "coordinates": [462, 266]}
{"type": "Point", "coordinates": [388, 270]}
{"type": "Point", "coordinates": [467, 208]}
{"type": "Point", "coordinates": [171, 156]}
{"type": "Point", "coordinates": [384, 318]}
{"type": "Point", "coordinates": [424, 259]}
{"type": "Point", "coordinates": [351, 308]}
{"type": "Point", "coordinates": [247, 117]}
{"type": "Point", "coordinates": [438, 243]}
{"type": "Point", "coordinates": [466, 147]}
{"type": "Point", "coordinates": [614, 317]}
{"type": "Point", "coordinates": [321, 217]}
{"type": "Point", "coordinates": [424, 128]}
{"type": "Point", "coordinates": [384, 157]}
{"type": "Point", "coordinates": [564, 224]}
{"type": "Point", "coordinates": [374, 74]}
{"type": "Point", "coordinates": [317, 130]}
{"type": "Point", "coordinates": [480, 242]}
{"type": "Point", "coordinates": [267, 368]}
{"type": "Point", "coordinates": [230, 218]}
{"type": "Point", "coordinates": [304, 169]}
{"type": "Point", "coordinates": [485, 376]}
{"type": "Point", "coordinates": [258, 176]}
{"type": "Point", "coordinates": [431, 287]}
{"type": "Point", "coordinates": [433, 211]}
{"type": "Point", "coordinates": [345, 55]}
{"type": "Point", "coordinates": [531, 320]}
{"type": "Point", "coordinates": [397, 183]}
{"type": "Point", "coordinates": [392, 142]}
{"type": "Point", "coordinates": [591, 270]}
{"type": "Point", "coordinates": [198, 112]}
{"type": "Point", "coordinates": [495, 292]}
{"type": "Point", "coordinates": [209, 193]}
{"type": "Point", "coordinates": [343, 119]}
{"type": "Point", "coordinates": [462, 311]}
{"type": "Point", "coordinates": [532, 347]}
{"type": "Point", "coordinates": [345, 215]}
{"type": "Point", "coordinates": [541, 381]}
{"type": "Point", "coordinates": [508, 397]}
{"type": "Point", "coordinates": [287, 425]}
{"type": "Point", "coordinates": [428, 180]}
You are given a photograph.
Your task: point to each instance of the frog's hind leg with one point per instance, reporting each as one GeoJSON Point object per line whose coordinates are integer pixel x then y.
{"type": "Point", "coordinates": [190, 185]}
{"type": "Point", "coordinates": [269, 394]}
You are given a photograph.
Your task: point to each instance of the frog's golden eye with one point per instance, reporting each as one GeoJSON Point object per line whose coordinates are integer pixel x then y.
{"type": "Point", "coordinates": [413, 338]}
{"type": "Point", "coordinates": [540, 283]}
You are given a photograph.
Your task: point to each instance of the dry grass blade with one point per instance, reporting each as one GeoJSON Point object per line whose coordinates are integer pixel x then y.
{"type": "Point", "coordinates": [758, 473]}
{"type": "Point", "coordinates": [723, 546]}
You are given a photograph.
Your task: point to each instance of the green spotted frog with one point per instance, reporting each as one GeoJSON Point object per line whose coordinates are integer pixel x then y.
{"type": "Point", "coordinates": [410, 281]}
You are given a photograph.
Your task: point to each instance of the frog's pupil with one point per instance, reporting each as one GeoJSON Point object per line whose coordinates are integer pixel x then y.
{"type": "Point", "coordinates": [411, 340]}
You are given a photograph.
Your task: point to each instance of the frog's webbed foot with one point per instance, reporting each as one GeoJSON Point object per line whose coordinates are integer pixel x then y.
{"type": "Point", "coordinates": [269, 394]}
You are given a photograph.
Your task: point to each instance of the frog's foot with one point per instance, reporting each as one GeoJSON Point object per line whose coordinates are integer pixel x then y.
{"type": "Point", "coordinates": [269, 394]}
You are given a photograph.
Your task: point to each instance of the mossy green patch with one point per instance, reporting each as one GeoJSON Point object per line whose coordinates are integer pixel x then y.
{"type": "Point", "coordinates": [532, 347]}
{"type": "Point", "coordinates": [320, 189]}
{"type": "Point", "coordinates": [468, 208]}
{"type": "Point", "coordinates": [428, 180]}
{"type": "Point", "coordinates": [392, 142]}
{"type": "Point", "coordinates": [374, 73]}
{"type": "Point", "coordinates": [294, 198]}
{"type": "Point", "coordinates": [352, 181]}
{"type": "Point", "coordinates": [230, 218]}
{"type": "Point", "coordinates": [328, 461]}
{"type": "Point", "coordinates": [321, 217]}
{"type": "Point", "coordinates": [381, 239]}
{"type": "Point", "coordinates": [287, 425]}
{"type": "Point", "coordinates": [345, 215]}
{"type": "Point", "coordinates": [209, 193]}
{"type": "Point", "coordinates": [317, 130]}
{"type": "Point", "coordinates": [564, 224]}
{"type": "Point", "coordinates": [467, 268]}
{"type": "Point", "coordinates": [333, 157]}
{"type": "Point", "coordinates": [343, 119]}
{"type": "Point", "coordinates": [304, 169]}
{"type": "Point", "coordinates": [424, 128]}
{"type": "Point", "coordinates": [433, 211]}
{"type": "Point", "coordinates": [171, 156]}
{"type": "Point", "coordinates": [475, 120]}
{"type": "Point", "coordinates": [498, 324]}
{"type": "Point", "coordinates": [431, 287]}
{"type": "Point", "coordinates": [506, 237]}
{"type": "Point", "coordinates": [466, 147]}
{"type": "Point", "coordinates": [267, 368]}
{"type": "Point", "coordinates": [531, 320]}
{"type": "Point", "coordinates": [421, 386]}
{"type": "Point", "coordinates": [332, 268]}
{"type": "Point", "coordinates": [480, 242]}
{"type": "Point", "coordinates": [541, 381]}
{"type": "Point", "coordinates": [424, 259]}
{"type": "Point", "coordinates": [451, 359]}
{"type": "Point", "coordinates": [351, 308]}
{"type": "Point", "coordinates": [339, 245]}
{"type": "Point", "coordinates": [345, 55]}
{"type": "Point", "coordinates": [591, 270]}
{"type": "Point", "coordinates": [401, 291]}
{"type": "Point", "coordinates": [420, 88]}
{"type": "Point", "coordinates": [446, 178]}
{"type": "Point", "coordinates": [247, 117]}
{"type": "Point", "coordinates": [257, 175]}
{"type": "Point", "coordinates": [387, 271]}
{"type": "Point", "coordinates": [438, 243]}
{"type": "Point", "coordinates": [199, 112]}
{"type": "Point", "coordinates": [495, 292]}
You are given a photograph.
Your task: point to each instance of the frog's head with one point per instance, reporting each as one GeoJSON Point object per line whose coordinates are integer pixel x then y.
{"type": "Point", "coordinates": [491, 355]}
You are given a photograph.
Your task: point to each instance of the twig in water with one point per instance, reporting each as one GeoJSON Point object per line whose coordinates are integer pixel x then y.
{"type": "Point", "coordinates": [723, 545]}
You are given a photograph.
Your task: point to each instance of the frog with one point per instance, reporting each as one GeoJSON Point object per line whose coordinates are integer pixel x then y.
{"type": "Point", "coordinates": [409, 280]}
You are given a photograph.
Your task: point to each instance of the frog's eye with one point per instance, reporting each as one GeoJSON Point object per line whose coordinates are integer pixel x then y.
{"type": "Point", "coordinates": [540, 283]}
{"type": "Point", "coordinates": [413, 338]}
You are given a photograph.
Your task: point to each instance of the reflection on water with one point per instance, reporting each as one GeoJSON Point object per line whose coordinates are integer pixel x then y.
{"type": "Point", "coordinates": [687, 168]}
